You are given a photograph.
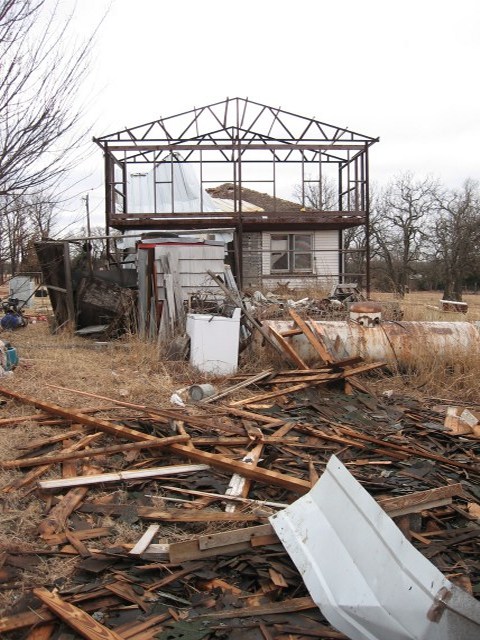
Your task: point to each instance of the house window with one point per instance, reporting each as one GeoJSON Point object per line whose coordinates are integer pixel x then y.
{"type": "Point", "coordinates": [291, 253]}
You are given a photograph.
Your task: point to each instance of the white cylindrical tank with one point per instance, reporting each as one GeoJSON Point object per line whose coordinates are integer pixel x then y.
{"type": "Point", "coordinates": [400, 342]}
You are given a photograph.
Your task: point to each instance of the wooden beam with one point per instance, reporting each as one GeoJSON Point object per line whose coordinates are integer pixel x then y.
{"type": "Point", "coordinates": [288, 350]}
{"type": "Point", "coordinates": [239, 385]}
{"type": "Point", "coordinates": [75, 455]}
{"type": "Point", "coordinates": [81, 622]}
{"type": "Point", "coordinates": [256, 473]}
{"type": "Point", "coordinates": [75, 416]}
{"type": "Point", "coordinates": [420, 500]}
{"type": "Point", "coordinates": [121, 476]}
{"type": "Point", "coordinates": [311, 337]}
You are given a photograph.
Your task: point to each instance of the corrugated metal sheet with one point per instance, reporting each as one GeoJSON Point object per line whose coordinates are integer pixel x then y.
{"type": "Point", "coordinates": [367, 579]}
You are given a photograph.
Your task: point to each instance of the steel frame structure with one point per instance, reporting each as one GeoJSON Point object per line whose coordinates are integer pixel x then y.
{"type": "Point", "coordinates": [241, 134]}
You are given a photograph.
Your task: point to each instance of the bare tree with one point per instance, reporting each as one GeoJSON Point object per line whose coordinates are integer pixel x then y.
{"type": "Point", "coordinates": [321, 196]}
{"type": "Point", "coordinates": [399, 226]}
{"type": "Point", "coordinates": [455, 237]}
{"type": "Point", "coordinates": [24, 220]}
{"type": "Point", "coordinates": [40, 74]}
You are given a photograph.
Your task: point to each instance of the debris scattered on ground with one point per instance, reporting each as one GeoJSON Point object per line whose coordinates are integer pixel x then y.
{"type": "Point", "coordinates": [199, 483]}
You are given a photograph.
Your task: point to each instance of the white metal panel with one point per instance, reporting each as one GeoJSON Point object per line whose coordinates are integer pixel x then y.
{"type": "Point", "coordinates": [22, 287]}
{"type": "Point", "coordinates": [368, 580]}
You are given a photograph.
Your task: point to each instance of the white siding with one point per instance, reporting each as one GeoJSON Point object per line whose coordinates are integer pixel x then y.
{"type": "Point", "coordinates": [190, 262]}
{"type": "Point", "coordinates": [326, 260]}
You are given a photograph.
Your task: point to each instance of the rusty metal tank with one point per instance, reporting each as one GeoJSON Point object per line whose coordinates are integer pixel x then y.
{"type": "Point", "coordinates": [400, 342]}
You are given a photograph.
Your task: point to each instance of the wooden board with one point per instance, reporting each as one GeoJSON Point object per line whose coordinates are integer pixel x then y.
{"type": "Point", "coordinates": [82, 622]}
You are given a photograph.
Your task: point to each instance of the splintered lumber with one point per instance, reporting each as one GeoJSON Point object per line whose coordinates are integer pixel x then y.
{"type": "Point", "coordinates": [42, 632]}
{"type": "Point", "coordinates": [40, 470]}
{"type": "Point", "coordinates": [310, 383]}
{"type": "Point", "coordinates": [131, 629]}
{"type": "Point", "coordinates": [189, 515]}
{"type": "Point", "coordinates": [239, 485]}
{"type": "Point", "coordinates": [255, 473]}
{"type": "Point", "coordinates": [420, 500]}
{"type": "Point", "coordinates": [286, 606]}
{"type": "Point", "coordinates": [121, 476]}
{"type": "Point", "coordinates": [239, 385]}
{"type": "Point", "coordinates": [209, 546]}
{"type": "Point", "coordinates": [227, 498]}
{"type": "Point", "coordinates": [288, 350]}
{"type": "Point", "coordinates": [311, 337]}
{"type": "Point", "coordinates": [88, 534]}
{"type": "Point", "coordinates": [33, 617]}
{"type": "Point", "coordinates": [101, 451]}
{"type": "Point", "coordinates": [76, 416]}
{"type": "Point", "coordinates": [74, 617]}
{"type": "Point", "coordinates": [408, 450]}
{"type": "Point", "coordinates": [57, 518]}
{"type": "Point", "coordinates": [145, 540]}
{"type": "Point", "coordinates": [281, 392]}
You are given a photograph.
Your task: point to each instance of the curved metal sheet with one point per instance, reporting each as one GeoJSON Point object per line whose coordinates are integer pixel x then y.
{"type": "Point", "coordinates": [367, 579]}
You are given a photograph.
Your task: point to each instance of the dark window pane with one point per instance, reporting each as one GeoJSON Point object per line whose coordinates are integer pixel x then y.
{"type": "Point", "coordinates": [302, 261]}
{"type": "Point", "coordinates": [279, 261]}
{"type": "Point", "coordinates": [302, 242]}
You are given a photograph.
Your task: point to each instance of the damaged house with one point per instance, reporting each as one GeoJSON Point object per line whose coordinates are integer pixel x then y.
{"type": "Point", "coordinates": [227, 171]}
{"type": "Point", "coordinates": [212, 187]}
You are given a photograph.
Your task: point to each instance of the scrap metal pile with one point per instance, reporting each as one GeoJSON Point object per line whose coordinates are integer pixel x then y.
{"type": "Point", "coordinates": [200, 483]}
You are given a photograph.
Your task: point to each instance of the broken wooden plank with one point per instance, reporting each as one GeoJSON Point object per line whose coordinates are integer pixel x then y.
{"type": "Point", "coordinates": [311, 337]}
{"type": "Point", "coordinates": [96, 423]}
{"type": "Point", "coordinates": [285, 606]}
{"type": "Point", "coordinates": [240, 385]}
{"type": "Point", "coordinates": [288, 350]}
{"type": "Point", "coordinates": [224, 496]}
{"type": "Point", "coordinates": [56, 519]}
{"type": "Point", "coordinates": [281, 392]}
{"type": "Point", "coordinates": [420, 500]}
{"type": "Point", "coordinates": [145, 540]}
{"type": "Point", "coordinates": [256, 473]}
{"type": "Point", "coordinates": [214, 540]}
{"type": "Point", "coordinates": [224, 543]}
{"type": "Point", "coordinates": [189, 515]}
{"type": "Point", "coordinates": [74, 617]}
{"type": "Point", "coordinates": [101, 451]}
{"type": "Point", "coordinates": [86, 534]}
{"type": "Point", "coordinates": [121, 476]}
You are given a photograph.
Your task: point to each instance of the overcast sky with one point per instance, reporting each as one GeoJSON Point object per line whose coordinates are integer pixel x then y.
{"type": "Point", "coordinates": [407, 71]}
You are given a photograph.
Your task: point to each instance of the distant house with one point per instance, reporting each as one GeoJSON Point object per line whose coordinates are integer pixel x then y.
{"type": "Point", "coordinates": [217, 171]}
{"type": "Point", "coordinates": [291, 254]}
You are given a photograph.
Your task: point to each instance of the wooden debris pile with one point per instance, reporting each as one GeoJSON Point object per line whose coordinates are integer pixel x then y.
{"type": "Point", "coordinates": [198, 485]}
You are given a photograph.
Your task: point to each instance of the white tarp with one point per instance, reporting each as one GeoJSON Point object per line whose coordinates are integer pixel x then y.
{"type": "Point", "coordinates": [151, 191]}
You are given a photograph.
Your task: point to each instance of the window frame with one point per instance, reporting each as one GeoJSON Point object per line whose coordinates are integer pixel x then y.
{"type": "Point", "coordinates": [291, 253]}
